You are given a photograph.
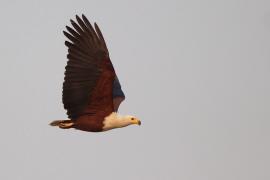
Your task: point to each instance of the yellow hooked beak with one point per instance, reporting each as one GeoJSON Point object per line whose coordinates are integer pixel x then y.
{"type": "Point", "coordinates": [136, 121]}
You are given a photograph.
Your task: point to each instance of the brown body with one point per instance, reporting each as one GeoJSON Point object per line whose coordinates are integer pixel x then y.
{"type": "Point", "coordinates": [100, 104]}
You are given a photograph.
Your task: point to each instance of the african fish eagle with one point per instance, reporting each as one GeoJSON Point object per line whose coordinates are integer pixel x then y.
{"type": "Point", "coordinates": [91, 90]}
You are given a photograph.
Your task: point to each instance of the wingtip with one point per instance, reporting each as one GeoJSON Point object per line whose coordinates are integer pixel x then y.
{"type": "Point", "coordinates": [72, 22]}
{"type": "Point", "coordinates": [96, 26]}
{"type": "Point", "coordinates": [68, 28]}
{"type": "Point", "coordinates": [68, 44]}
{"type": "Point", "coordinates": [64, 32]}
{"type": "Point", "coordinates": [85, 19]}
{"type": "Point", "coordinates": [77, 17]}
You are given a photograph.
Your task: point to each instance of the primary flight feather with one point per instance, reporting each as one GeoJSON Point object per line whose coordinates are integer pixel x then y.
{"type": "Point", "coordinates": [91, 90]}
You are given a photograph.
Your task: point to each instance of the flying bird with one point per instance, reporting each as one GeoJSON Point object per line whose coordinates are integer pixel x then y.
{"type": "Point", "coordinates": [91, 90]}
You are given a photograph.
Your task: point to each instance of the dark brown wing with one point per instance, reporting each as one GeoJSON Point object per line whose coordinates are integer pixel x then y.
{"type": "Point", "coordinates": [87, 53]}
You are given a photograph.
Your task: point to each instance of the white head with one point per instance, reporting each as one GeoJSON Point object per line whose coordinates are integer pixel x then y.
{"type": "Point", "coordinates": [115, 120]}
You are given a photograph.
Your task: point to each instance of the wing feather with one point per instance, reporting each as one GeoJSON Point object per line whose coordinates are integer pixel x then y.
{"type": "Point", "coordinates": [86, 53]}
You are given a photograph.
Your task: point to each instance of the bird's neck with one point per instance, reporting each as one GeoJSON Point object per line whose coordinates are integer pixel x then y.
{"type": "Point", "coordinates": [114, 120]}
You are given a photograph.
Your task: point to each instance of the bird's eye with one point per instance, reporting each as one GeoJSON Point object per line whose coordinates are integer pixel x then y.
{"type": "Point", "coordinates": [132, 118]}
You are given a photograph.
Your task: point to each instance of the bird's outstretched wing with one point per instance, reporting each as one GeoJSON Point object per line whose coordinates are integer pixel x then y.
{"type": "Point", "coordinates": [88, 69]}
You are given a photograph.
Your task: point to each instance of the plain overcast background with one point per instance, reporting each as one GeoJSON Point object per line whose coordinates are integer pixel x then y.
{"type": "Point", "coordinates": [197, 73]}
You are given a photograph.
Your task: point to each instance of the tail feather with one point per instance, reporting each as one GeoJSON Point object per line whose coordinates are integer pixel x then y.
{"type": "Point", "coordinates": [56, 122]}
{"type": "Point", "coordinates": [64, 124]}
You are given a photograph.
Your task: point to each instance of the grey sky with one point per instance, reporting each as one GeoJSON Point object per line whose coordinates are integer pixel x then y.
{"type": "Point", "coordinates": [195, 72]}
